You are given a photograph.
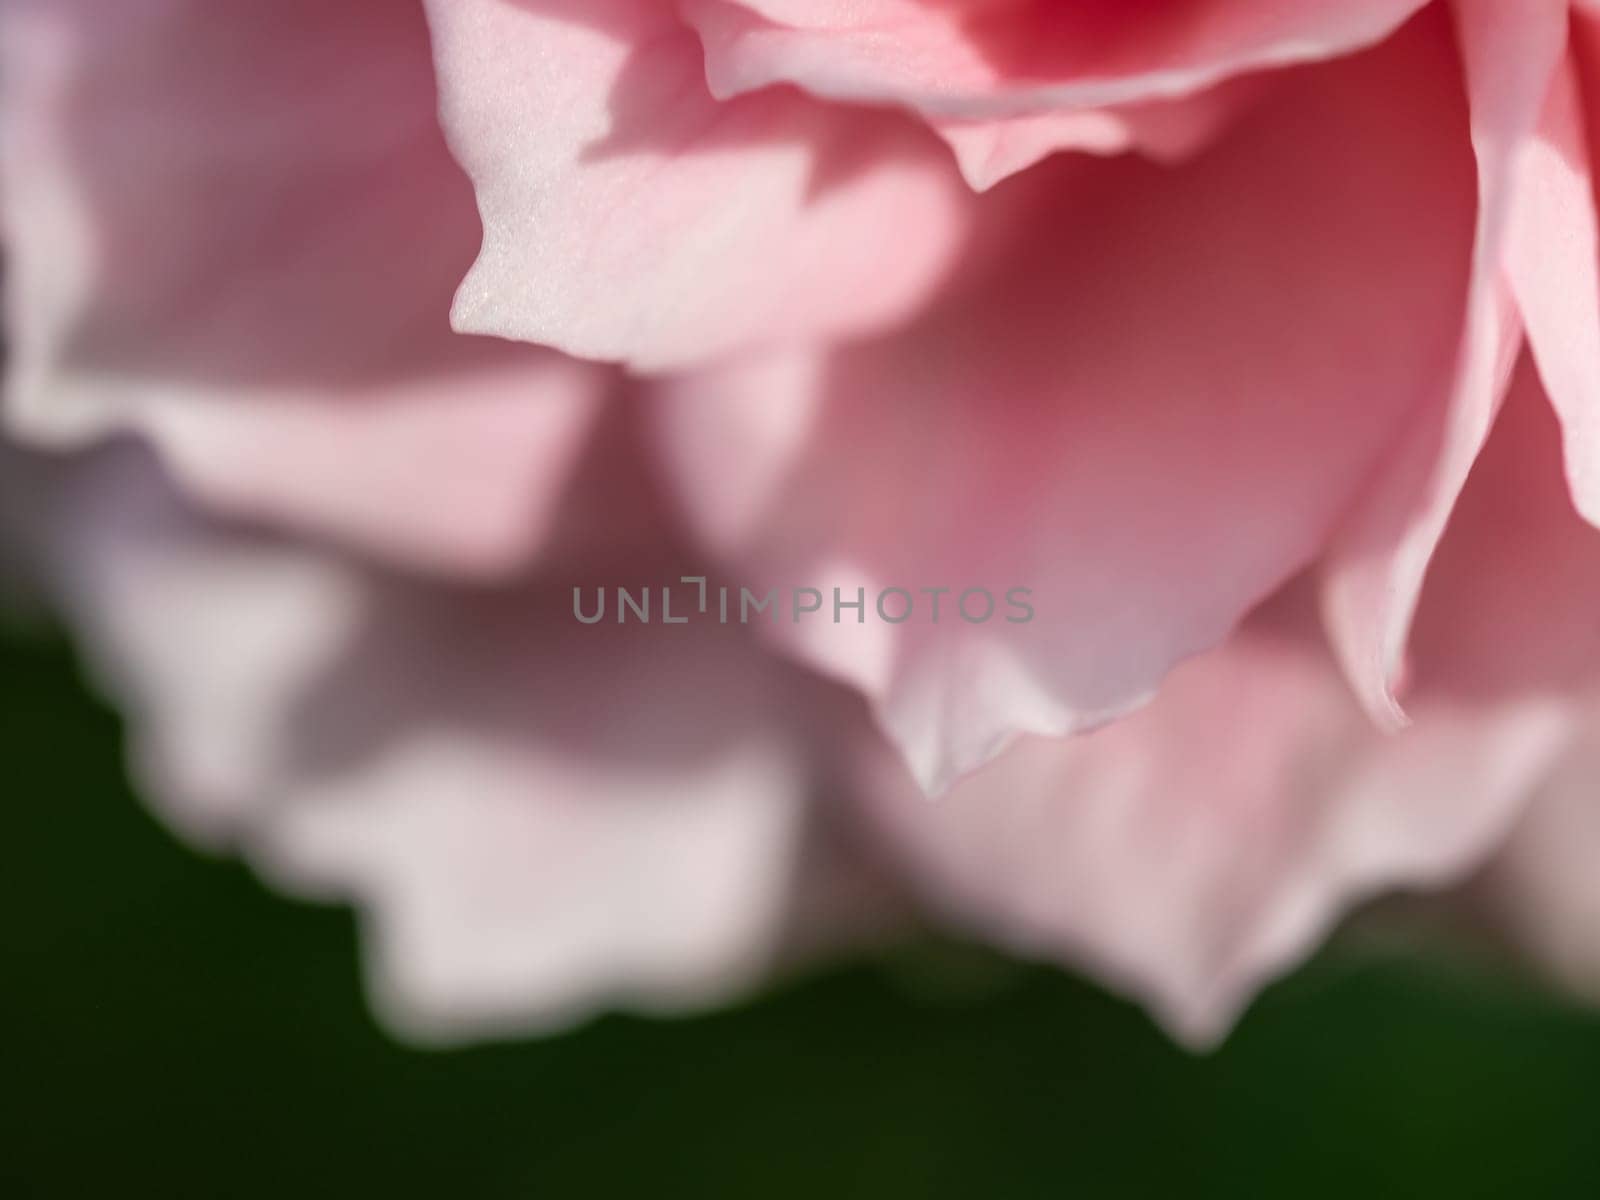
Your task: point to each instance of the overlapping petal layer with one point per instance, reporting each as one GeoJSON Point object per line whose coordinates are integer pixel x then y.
{"type": "Point", "coordinates": [1375, 574]}
{"type": "Point", "coordinates": [992, 58]}
{"type": "Point", "coordinates": [1144, 397]}
{"type": "Point", "coordinates": [989, 151]}
{"type": "Point", "coordinates": [629, 215]}
{"type": "Point", "coordinates": [236, 228]}
{"type": "Point", "coordinates": [538, 817]}
{"type": "Point", "coordinates": [1147, 397]}
{"type": "Point", "coordinates": [1552, 259]}
{"type": "Point", "coordinates": [1197, 848]}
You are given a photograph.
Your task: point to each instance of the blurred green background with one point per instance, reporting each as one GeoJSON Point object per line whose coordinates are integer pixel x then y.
{"type": "Point", "coordinates": [173, 1029]}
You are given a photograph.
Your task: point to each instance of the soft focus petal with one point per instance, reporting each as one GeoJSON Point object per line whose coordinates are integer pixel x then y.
{"type": "Point", "coordinates": [628, 215]}
{"type": "Point", "coordinates": [1542, 886]}
{"type": "Point", "coordinates": [1148, 399]}
{"type": "Point", "coordinates": [1375, 574]}
{"type": "Point", "coordinates": [236, 228]}
{"type": "Point", "coordinates": [999, 58]}
{"type": "Point", "coordinates": [538, 817]}
{"type": "Point", "coordinates": [1204, 844]}
{"type": "Point", "coordinates": [1193, 851]}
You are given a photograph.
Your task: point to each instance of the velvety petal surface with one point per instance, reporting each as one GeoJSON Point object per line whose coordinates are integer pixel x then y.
{"type": "Point", "coordinates": [235, 228]}
{"type": "Point", "coordinates": [1147, 397]}
{"type": "Point", "coordinates": [629, 215]}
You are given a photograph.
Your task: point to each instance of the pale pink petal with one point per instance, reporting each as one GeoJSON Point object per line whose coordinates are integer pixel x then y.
{"type": "Point", "coordinates": [513, 881]}
{"type": "Point", "coordinates": [1204, 844]}
{"type": "Point", "coordinates": [1509, 604]}
{"type": "Point", "coordinates": [1166, 130]}
{"type": "Point", "coordinates": [1192, 852]}
{"type": "Point", "coordinates": [1542, 886]}
{"type": "Point", "coordinates": [628, 215]}
{"type": "Point", "coordinates": [1554, 262]}
{"type": "Point", "coordinates": [208, 640]}
{"type": "Point", "coordinates": [1148, 397]}
{"type": "Point", "coordinates": [469, 482]}
{"type": "Point", "coordinates": [1375, 573]}
{"type": "Point", "coordinates": [537, 817]}
{"type": "Point", "coordinates": [236, 229]}
{"type": "Point", "coordinates": [999, 58]}
{"type": "Point", "coordinates": [1532, 580]}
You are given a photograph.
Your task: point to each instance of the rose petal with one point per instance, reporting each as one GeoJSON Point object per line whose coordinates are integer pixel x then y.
{"type": "Point", "coordinates": [1554, 262]}
{"type": "Point", "coordinates": [1542, 887]}
{"type": "Point", "coordinates": [1533, 575]}
{"type": "Point", "coordinates": [1193, 851]}
{"type": "Point", "coordinates": [991, 150]}
{"type": "Point", "coordinates": [538, 817]}
{"type": "Point", "coordinates": [1201, 846]}
{"type": "Point", "coordinates": [1148, 399]}
{"type": "Point", "coordinates": [236, 229]}
{"type": "Point", "coordinates": [628, 215]}
{"type": "Point", "coordinates": [983, 59]}
{"type": "Point", "coordinates": [1375, 573]}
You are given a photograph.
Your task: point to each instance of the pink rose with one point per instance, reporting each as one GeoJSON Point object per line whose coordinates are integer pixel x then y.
{"type": "Point", "coordinates": [1165, 434]}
